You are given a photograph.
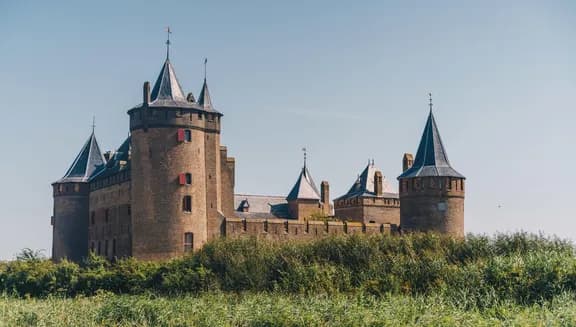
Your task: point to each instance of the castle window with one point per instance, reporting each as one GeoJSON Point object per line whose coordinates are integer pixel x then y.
{"type": "Point", "coordinates": [129, 211]}
{"type": "Point", "coordinates": [93, 218]}
{"type": "Point", "coordinates": [187, 135]}
{"type": "Point", "coordinates": [92, 245]}
{"type": "Point", "coordinates": [187, 203]}
{"type": "Point", "coordinates": [107, 215]}
{"type": "Point", "coordinates": [188, 242]}
{"type": "Point", "coordinates": [199, 116]}
{"type": "Point", "coordinates": [185, 179]}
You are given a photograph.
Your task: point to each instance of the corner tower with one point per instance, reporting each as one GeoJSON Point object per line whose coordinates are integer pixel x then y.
{"type": "Point", "coordinates": [431, 191]}
{"type": "Point", "coordinates": [71, 204]}
{"type": "Point", "coordinates": [177, 170]}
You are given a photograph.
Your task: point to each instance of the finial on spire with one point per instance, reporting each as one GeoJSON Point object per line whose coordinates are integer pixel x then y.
{"type": "Point", "coordinates": [168, 32]}
{"type": "Point", "coordinates": [93, 123]}
{"type": "Point", "coordinates": [430, 101]}
{"type": "Point", "coordinates": [305, 154]}
{"type": "Point", "coordinates": [205, 64]}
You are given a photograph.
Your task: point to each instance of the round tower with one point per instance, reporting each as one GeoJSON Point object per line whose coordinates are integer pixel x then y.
{"type": "Point", "coordinates": [431, 191]}
{"type": "Point", "coordinates": [71, 204]}
{"type": "Point", "coordinates": [175, 170]}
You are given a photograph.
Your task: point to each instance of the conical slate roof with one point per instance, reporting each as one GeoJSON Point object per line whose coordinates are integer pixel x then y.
{"type": "Point", "coordinates": [167, 87]}
{"type": "Point", "coordinates": [88, 162]}
{"type": "Point", "coordinates": [431, 158]}
{"type": "Point", "coordinates": [304, 187]}
{"type": "Point", "coordinates": [364, 185]}
{"type": "Point", "coordinates": [204, 99]}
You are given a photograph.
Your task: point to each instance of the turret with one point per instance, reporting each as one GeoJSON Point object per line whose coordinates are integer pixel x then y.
{"type": "Point", "coordinates": [431, 191]}
{"type": "Point", "coordinates": [176, 170]}
{"type": "Point", "coordinates": [407, 161]}
{"type": "Point", "coordinates": [71, 204]}
{"type": "Point", "coordinates": [304, 200]}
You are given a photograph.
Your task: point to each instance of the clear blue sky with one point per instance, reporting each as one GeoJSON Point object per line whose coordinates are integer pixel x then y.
{"type": "Point", "coordinates": [348, 81]}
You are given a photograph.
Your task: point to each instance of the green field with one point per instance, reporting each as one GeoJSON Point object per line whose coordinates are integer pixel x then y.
{"type": "Point", "coordinates": [518, 279]}
{"type": "Point", "coordinates": [276, 310]}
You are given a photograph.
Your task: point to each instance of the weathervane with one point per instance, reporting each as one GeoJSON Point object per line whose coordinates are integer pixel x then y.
{"type": "Point", "coordinates": [205, 63]}
{"type": "Point", "coordinates": [304, 150]}
{"type": "Point", "coordinates": [168, 32]}
{"type": "Point", "coordinates": [93, 123]}
{"type": "Point", "coordinates": [430, 101]}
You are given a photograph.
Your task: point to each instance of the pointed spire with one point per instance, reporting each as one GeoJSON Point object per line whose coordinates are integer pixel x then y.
{"type": "Point", "coordinates": [87, 162]}
{"type": "Point", "coordinates": [305, 188]}
{"type": "Point", "coordinates": [204, 99]}
{"type": "Point", "coordinates": [167, 86]}
{"type": "Point", "coordinates": [431, 158]}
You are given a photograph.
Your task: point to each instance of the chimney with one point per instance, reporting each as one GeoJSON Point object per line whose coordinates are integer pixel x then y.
{"type": "Point", "coordinates": [325, 192]}
{"type": "Point", "coordinates": [107, 155]}
{"type": "Point", "coordinates": [190, 97]}
{"type": "Point", "coordinates": [146, 94]}
{"type": "Point", "coordinates": [407, 161]}
{"type": "Point", "coordinates": [378, 183]}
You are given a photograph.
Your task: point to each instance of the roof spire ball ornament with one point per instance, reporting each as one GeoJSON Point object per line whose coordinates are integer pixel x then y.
{"type": "Point", "coordinates": [431, 191]}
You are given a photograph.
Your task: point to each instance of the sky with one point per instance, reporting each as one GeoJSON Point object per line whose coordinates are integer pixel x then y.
{"type": "Point", "coordinates": [347, 80]}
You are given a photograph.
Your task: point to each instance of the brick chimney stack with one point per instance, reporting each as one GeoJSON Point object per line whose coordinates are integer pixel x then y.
{"type": "Point", "coordinates": [378, 188]}
{"type": "Point", "coordinates": [407, 161]}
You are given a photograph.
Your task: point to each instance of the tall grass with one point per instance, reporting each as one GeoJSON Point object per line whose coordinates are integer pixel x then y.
{"type": "Point", "coordinates": [476, 272]}
{"type": "Point", "coordinates": [274, 309]}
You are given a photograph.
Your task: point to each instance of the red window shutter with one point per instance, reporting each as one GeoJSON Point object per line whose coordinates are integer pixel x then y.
{"type": "Point", "coordinates": [182, 179]}
{"type": "Point", "coordinates": [180, 135]}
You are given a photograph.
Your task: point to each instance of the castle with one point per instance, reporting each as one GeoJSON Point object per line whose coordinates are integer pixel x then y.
{"type": "Point", "coordinates": [169, 188]}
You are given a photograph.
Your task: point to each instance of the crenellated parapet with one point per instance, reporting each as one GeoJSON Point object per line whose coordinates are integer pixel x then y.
{"type": "Point", "coordinates": [284, 229]}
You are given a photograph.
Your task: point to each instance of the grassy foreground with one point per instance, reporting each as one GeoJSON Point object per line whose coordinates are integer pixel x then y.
{"type": "Point", "coordinates": [267, 309]}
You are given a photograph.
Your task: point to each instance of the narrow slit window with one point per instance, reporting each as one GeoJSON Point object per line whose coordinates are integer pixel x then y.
{"type": "Point", "coordinates": [187, 203]}
{"type": "Point", "coordinates": [187, 135]}
{"type": "Point", "coordinates": [188, 242]}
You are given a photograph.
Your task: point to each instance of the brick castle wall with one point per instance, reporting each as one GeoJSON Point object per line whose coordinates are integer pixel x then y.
{"type": "Point", "coordinates": [433, 204]}
{"type": "Point", "coordinates": [282, 229]}
{"type": "Point", "coordinates": [70, 221]}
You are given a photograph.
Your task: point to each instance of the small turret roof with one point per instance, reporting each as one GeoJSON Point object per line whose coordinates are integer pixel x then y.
{"type": "Point", "coordinates": [364, 185]}
{"type": "Point", "coordinates": [119, 161]}
{"type": "Point", "coordinates": [431, 158]}
{"type": "Point", "coordinates": [167, 87]}
{"type": "Point", "coordinates": [88, 162]}
{"type": "Point", "coordinates": [204, 99]}
{"type": "Point", "coordinates": [304, 187]}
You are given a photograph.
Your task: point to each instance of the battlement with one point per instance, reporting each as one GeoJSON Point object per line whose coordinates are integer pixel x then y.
{"type": "Point", "coordinates": [193, 118]}
{"type": "Point", "coordinates": [285, 229]}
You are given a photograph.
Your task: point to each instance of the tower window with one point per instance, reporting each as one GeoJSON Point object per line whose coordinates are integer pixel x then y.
{"type": "Point", "coordinates": [199, 116]}
{"type": "Point", "coordinates": [187, 135]}
{"type": "Point", "coordinates": [92, 246]}
{"type": "Point", "coordinates": [185, 179]}
{"type": "Point", "coordinates": [93, 218]}
{"type": "Point", "coordinates": [129, 210]}
{"type": "Point", "coordinates": [187, 203]}
{"type": "Point", "coordinates": [188, 178]}
{"type": "Point", "coordinates": [106, 215]}
{"type": "Point", "coordinates": [188, 242]}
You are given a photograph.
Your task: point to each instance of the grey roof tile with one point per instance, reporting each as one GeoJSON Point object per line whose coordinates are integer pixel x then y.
{"type": "Point", "coordinates": [87, 162]}
{"type": "Point", "coordinates": [261, 206]}
{"type": "Point", "coordinates": [167, 86]}
{"type": "Point", "coordinates": [431, 158]}
{"type": "Point", "coordinates": [305, 188]}
{"type": "Point", "coordinates": [364, 185]}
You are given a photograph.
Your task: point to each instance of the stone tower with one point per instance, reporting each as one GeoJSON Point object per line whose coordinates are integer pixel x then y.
{"type": "Point", "coordinates": [71, 204]}
{"type": "Point", "coordinates": [180, 174]}
{"type": "Point", "coordinates": [431, 191]}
